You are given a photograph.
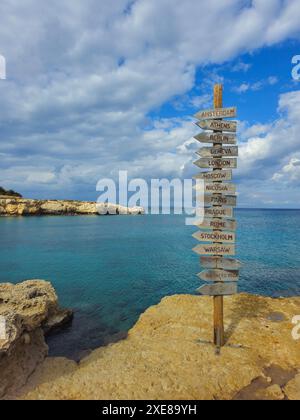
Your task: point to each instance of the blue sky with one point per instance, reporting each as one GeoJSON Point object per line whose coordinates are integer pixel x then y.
{"type": "Point", "coordinates": [94, 87]}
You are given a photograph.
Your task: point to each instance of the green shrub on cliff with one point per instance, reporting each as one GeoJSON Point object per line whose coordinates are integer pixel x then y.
{"type": "Point", "coordinates": [9, 192]}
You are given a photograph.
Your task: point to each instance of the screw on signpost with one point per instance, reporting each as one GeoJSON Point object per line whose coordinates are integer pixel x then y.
{"type": "Point", "coordinates": [219, 339]}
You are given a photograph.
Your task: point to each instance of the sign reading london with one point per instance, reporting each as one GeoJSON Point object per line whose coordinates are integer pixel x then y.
{"type": "Point", "coordinates": [217, 234]}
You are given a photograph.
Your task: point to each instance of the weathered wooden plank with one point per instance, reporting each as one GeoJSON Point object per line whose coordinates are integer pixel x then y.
{"type": "Point", "coordinates": [210, 114]}
{"type": "Point", "coordinates": [215, 236]}
{"type": "Point", "coordinates": [216, 163]}
{"type": "Point", "coordinates": [220, 262]}
{"type": "Point", "coordinates": [218, 212]}
{"type": "Point", "coordinates": [225, 175]}
{"type": "Point", "coordinates": [218, 151]}
{"type": "Point", "coordinates": [217, 275]}
{"type": "Point", "coordinates": [215, 249]}
{"type": "Point", "coordinates": [218, 224]}
{"type": "Point", "coordinates": [217, 188]}
{"type": "Point", "coordinates": [218, 200]}
{"type": "Point", "coordinates": [218, 289]}
{"type": "Point", "coordinates": [218, 138]}
{"type": "Point", "coordinates": [219, 125]}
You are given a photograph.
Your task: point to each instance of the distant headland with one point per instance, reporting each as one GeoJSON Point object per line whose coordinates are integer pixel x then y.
{"type": "Point", "coordinates": [13, 204]}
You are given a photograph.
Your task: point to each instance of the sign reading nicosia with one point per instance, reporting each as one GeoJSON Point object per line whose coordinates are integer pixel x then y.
{"type": "Point", "coordinates": [218, 187]}
{"type": "Point", "coordinates": [216, 113]}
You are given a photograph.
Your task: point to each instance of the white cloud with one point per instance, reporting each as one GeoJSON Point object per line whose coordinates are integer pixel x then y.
{"type": "Point", "coordinates": [82, 78]}
{"type": "Point", "coordinates": [245, 87]}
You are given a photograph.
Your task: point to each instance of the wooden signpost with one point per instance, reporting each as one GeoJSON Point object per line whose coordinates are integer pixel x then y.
{"type": "Point", "coordinates": [218, 228]}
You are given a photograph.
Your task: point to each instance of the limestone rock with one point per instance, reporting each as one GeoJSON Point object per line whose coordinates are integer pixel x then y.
{"type": "Point", "coordinates": [272, 393]}
{"type": "Point", "coordinates": [25, 310]}
{"type": "Point", "coordinates": [13, 206]}
{"type": "Point", "coordinates": [292, 389]}
{"type": "Point", "coordinates": [168, 355]}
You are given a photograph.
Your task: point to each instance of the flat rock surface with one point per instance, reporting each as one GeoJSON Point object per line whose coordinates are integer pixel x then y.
{"type": "Point", "coordinates": [168, 355]}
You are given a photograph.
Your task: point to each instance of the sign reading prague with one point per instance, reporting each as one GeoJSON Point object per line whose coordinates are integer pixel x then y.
{"type": "Point", "coordinates": [217, 229]}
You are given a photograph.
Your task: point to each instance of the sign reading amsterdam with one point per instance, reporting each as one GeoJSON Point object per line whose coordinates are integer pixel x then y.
{"type": "Point", "coordinates": [217, 229]}
{"type": "Point", "coordinates": [216, 113]}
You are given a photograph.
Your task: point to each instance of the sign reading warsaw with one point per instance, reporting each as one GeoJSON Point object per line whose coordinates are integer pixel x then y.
{"type": "Point", "coordinates": [216, 113]}
{"type": "Point", "coordinates": [215, 249]}
{"type": "Point", "coordinates": [218, 125]}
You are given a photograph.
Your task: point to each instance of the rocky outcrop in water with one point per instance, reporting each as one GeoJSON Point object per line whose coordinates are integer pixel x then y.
{"type": "Point", "coordinates": [27, 311]}
{"type": "Point", "coordinates": [168, 355]}
{"type": "Point", "coordinates": [12, 206]}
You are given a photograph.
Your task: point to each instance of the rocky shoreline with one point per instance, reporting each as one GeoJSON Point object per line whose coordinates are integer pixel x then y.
{"type": "Point", "coordinates": [167, 355]}
{"type": "Point", "coordinates": [28, 311]}
{"type": "Point", "coordinates": [14, 206]}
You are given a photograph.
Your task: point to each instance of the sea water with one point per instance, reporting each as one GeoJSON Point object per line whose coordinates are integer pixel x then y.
{"type": "Point", "coordinates": [109, 269]}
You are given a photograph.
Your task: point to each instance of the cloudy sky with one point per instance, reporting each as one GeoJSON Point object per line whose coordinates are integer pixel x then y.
{"type": "Point", "coordinates": [98, 86]}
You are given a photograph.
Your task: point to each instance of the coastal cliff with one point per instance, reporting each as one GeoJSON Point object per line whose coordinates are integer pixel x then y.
{"type": "Point", "coordinates": [27, 311]}
{"type": "Point", "coordinates": [14, 206]}
{"type": "Point", "coordinates": [168, 355]}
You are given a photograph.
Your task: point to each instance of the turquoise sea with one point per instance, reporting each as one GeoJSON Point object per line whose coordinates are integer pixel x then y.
{"type": "Point", "coordinates": [110, 269]}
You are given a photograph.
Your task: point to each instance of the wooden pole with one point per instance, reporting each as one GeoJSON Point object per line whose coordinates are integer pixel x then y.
{"type": "Point", "coordinates": [219, 339]}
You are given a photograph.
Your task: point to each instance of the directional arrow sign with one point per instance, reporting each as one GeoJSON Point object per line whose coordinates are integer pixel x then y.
{"type": "Point", "coordinates": [215, 236]}
{"type": "Point", "coordinates": [220, 262]}
{"type": "Point", "coordinates": [215, 249]}
{"type": "Point", "coordinates": [218, 188]}
{"type": "Point", "coordinates": [230, 126]}
{"type": "Point", "coordinates": [218, 212]}
{"type": "Point", "coordinates": [225, 175]}
{"type": "Point", "coordinates": [210, 114]}
{"type": "Point", "coordinates": [218, 151]}
{"type": "Point", "coordinates": [216, 163]}
{"type": "Point", "coordinates": [218, 289]}
{"type": "Point", "coordinates": [218, 200]}
{"type": "Point", "coordinates": [218, 224]}
{"type": "Point", "coordinates": [219, 275]}
{"type": "Point", "coordinates": [220, 138]}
